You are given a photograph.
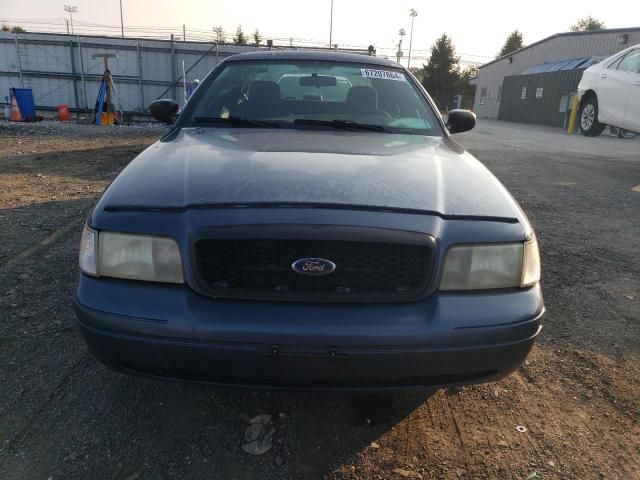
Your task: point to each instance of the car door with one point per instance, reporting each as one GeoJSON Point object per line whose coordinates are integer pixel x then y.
{"type": "Point", "coordinates": [613, 87]}
{"type": "Point", "coordinates": [631, 66]}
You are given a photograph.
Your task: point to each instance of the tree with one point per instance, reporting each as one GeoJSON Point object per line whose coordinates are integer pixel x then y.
{"type": "Point", "coordinates": [257, 38]}
{"type": "Point", "coordinates": [220, 33]}
{"type": "Point", "coordinates": [239, 38]}
{"type": "Point", "coordinates": [464, 86]}
{"type": "Point", "coordinates": [417, 72]}
{"type": "Point", "coordinates": [587, 24]}
{"type": "Point", "coordinates": [514, 42]}
{"type": "Point", "coordinates": [441, 74]}
{"type": "Point", "coordinates": [14, 29]}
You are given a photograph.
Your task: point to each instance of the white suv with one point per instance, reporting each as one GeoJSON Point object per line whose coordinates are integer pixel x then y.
{"type": "Point", "coordinates": [609, 93]}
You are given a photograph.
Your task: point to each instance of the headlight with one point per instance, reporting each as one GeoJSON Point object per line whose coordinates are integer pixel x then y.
{"type": "Point", "coordinates": [131, 256]}
{"type": "Point", "coordinates": [478, 267]}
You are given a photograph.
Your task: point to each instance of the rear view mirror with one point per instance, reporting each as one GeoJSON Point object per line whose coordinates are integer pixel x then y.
{"type": "Point", "coordinates": [165, 110]}
{"type": "Point", "coordinates": [318, 81]}
{"type": "Point", "coordinates": [460, 120]}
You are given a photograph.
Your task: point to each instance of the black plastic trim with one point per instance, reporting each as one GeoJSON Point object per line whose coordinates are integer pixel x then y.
{"type": "Point", "coordinates": [312, 205]}
{"type": "Point", "coordinates": [316, 232]}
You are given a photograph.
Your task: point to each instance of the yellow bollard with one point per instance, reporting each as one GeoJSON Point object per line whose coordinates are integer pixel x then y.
{"type": "Point", "coordinates": [574, 114]}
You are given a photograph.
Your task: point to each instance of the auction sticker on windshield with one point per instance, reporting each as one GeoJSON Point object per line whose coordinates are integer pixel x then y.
{"type": "Point", "coordinates": [385, 74]}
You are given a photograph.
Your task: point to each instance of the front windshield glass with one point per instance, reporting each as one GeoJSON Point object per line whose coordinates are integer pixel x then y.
{"type": "Point", "coordinates": [312, 94]}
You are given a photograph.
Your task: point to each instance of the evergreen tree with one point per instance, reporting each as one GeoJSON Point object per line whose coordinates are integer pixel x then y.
{"type": "Point", "coordinates": [240, 38]}
{"type": "Point", "coordinates": [442, 72]}
{"type": "Point", "coordinates": [220, 33]}
{"type": "Point", "coordinates": [587, 24]}
{"type": "Point", "coordinates": [464, 86]}
{"type": "Point", "coordinates": [257, 38]}
{"type": "Point", "coordinates": [14, 29]}
{"type": "Point", "coordinates": [514, 42]}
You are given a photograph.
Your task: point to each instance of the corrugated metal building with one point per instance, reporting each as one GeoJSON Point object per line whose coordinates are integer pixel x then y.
{"type": "Point", "coordinates": [562, 46]}
{"type": "Point", "coordinates": [540, 98]}
{"type": "Point", "coordinates": [542, 94]}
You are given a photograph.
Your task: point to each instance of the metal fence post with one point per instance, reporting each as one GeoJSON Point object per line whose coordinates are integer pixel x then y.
{"type": "Point", "coordinates": [19, 60]}
{"type": "Point", "coordinates": [140, 86]}
{"type": "Point", "coordinates": [174, 92]}
{"type": "Point", "coordinates": [74, 74]}
{"type": "Point", "coordinates": [84, 83]}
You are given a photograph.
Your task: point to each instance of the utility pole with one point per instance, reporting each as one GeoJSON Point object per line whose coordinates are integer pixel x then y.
{"type": "Point", "coordinates": [121, 21]}
{"type": "Point", "coordinates": [71, 9]}
{"type": "Point", "coordinates": [399, 53]}
{"type": "Point", "coordinates": [413, 14]}
{"type": "Point", "coordinates": [331, 27]}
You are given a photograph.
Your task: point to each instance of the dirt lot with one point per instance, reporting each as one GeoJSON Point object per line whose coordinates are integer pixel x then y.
{"type": "Point", "coordinates": [63, 416]}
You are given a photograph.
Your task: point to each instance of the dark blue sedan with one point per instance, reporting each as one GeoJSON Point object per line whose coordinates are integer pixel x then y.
{"type": "Point", "coordinates": [308, 222]}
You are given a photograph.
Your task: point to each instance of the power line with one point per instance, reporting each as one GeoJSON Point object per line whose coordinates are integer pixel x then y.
{"type": "Point", "coordinates": [57, 25]}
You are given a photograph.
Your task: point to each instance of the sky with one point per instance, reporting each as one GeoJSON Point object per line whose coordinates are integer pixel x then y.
{"type": "Point", "coordinates": [478, 28]}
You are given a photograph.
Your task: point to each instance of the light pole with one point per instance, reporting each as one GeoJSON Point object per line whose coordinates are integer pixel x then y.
{"type": "Point", "coordinates": [121, 22]}
{"type": "Point", "coordinates": [71, 9]}
{"type": "Point", "coordinates": [413, 14]}
{"type": "Point", "coordinates": [399, 53]}
{"type": "Point", "coordinates": [331, 27]}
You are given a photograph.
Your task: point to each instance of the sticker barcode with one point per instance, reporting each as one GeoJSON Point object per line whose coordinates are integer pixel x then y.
{"type": "Point", "coordinates": [384, 74]}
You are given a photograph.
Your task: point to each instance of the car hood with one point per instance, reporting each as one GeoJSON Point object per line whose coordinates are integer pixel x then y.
{"type": "Point", "coordinates": [199, 167]}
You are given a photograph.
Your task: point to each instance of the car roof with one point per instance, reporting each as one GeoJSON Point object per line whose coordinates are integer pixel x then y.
{"type": "Point", "coordinates": [327, 56]}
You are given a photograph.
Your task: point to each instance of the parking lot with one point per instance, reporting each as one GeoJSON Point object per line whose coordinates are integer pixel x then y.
{"type": "Point", "coordinates": [64, 416]}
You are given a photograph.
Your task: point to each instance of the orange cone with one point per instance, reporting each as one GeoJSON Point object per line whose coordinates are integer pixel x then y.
{"type": "Point", "coordinates": [15, 111]}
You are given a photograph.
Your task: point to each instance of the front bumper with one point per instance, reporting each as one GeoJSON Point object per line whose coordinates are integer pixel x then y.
{"type": "Point", "coordinates": [169, 331]}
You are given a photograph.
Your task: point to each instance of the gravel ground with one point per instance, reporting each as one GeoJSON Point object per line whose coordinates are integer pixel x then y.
{"type": "Point", "coordinates": [63, 416]}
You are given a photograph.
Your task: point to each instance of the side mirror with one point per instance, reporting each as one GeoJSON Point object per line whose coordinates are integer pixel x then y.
{"type": "Point", "coordinates": [460, 120]}
{"type": "Point", "coordinates": [165, 110]}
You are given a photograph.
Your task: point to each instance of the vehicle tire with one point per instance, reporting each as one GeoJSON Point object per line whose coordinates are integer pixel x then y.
{"type": "Point", "coordinates": [622, 133]}
{"type": "Point", "coordinates": [588, 118]}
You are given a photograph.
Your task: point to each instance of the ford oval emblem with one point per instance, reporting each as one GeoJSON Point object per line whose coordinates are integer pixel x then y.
{"type": "Point", "coordinates": [313, 266]}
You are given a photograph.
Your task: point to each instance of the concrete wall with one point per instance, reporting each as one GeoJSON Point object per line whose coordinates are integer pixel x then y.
{"type": "Point", "coordinates": [61, 69]}
{"type": "Point", "coordinates": [562, 46]}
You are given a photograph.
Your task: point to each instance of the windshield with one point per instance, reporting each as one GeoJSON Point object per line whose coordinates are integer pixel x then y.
{"type": "Point", "coordinates": [312, 94]}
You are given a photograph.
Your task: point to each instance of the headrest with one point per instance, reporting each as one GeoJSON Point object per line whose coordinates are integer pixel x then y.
{"type": "Point", "coordinates": [364, 99]}
{"type": "Point", "coordinates": [264, 92]}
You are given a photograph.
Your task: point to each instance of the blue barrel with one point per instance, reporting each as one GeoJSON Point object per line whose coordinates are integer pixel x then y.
{"type": "Point", "coordinates": [24, 97]}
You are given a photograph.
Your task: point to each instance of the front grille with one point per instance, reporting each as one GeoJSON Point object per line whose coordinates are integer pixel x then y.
{"type": "Point", "coordinates": [261, 268]}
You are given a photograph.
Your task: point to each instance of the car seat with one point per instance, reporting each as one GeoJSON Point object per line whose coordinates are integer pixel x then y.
{"type": "Point", "coordinates": [263, 100]}
{"type": "Point", "coordinates": [363, 100]}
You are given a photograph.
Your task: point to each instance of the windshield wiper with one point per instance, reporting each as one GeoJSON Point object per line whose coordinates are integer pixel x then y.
{"type": "Point", "coordinates": [342, 124]}
{"type": "Point", "coordinates": [238, 121]}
